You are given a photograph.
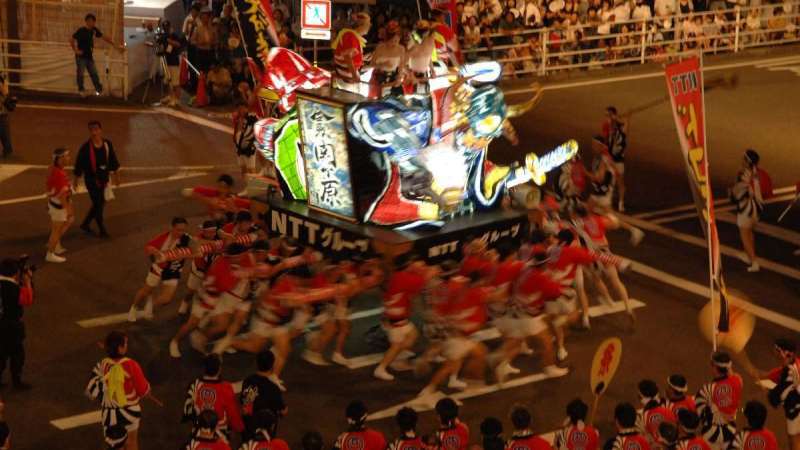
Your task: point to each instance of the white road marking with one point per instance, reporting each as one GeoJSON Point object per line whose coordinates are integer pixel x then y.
{"type": "Point", "coordinates": [676, 218]}
{"type": "Point", "coordinates": [488, 334]}
{"type": "Point", "coordinates": [9, 170]}
{"type": "Point", "coordinates": [703, 291]}
{"type": "Point", "coordinates": [701, 242]}
{"type": "Point", "coordinates": [692, 206]}
{"type": "Point", "coordinates": [77, 421]}
{"type": "Point", "coordinates": [428, 403]}
{"type": "Point", "coordinates": [766, 229]}
{"type": "Point", "coordinates": [87, 108]}
{"type": "Point", "coordinates": [93, 417]}
{"type": "Point", "coordinates": [24, 167]}
{"type": "Point", "coordinates": [196, 119]}
{"type": "Point", "coordinates": [82, 190]}
{"type": "Point", "coordinates": [643, 76]}
{"type": "Point", "coordinates": [776, 199]}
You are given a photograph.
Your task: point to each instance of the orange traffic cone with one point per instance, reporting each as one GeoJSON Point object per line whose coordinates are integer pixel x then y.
{"type": "Point", "coordinates": [201, 99]}
{"type": "Point", "coordinates": [183, 72]}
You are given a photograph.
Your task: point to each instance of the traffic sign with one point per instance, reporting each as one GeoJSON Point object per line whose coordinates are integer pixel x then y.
{"type": "Point", "coordinates": [315, 20]}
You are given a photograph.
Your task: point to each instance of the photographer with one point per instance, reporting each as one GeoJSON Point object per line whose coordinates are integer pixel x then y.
{"type": "Point", "coordinates": [16, 292]}
{"type": "Point", "coordinates": [7, 104]}
{"type": "Point", "coordinates": [169, 45]}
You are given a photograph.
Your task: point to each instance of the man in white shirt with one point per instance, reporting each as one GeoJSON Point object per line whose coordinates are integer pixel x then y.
{"type": "Point", "coordinates": [665, 8]}
{"type": "Point", "coordinates": [641, 11]}
{"type": "Point", "coordinates": [622, 11]}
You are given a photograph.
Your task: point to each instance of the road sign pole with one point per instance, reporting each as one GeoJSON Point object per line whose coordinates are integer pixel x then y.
{"type": "Point", "coordinates": [315, 53]}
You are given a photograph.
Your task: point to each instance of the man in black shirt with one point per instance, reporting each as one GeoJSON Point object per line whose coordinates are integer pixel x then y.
{"type": "Point", "coordinates": [15, 291]}
{"type": "Point", "coordinates": [260, 392]}
{"type": "Point", "coordinates": [96, 163]}
{"type": "Point", "coordinates": [82, 43]}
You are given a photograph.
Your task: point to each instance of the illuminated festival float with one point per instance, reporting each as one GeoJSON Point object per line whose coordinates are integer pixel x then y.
{"type": "Point", "coordinates": [394, 173]}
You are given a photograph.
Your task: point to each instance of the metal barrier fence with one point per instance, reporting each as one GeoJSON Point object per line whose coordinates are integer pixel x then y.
{"type": "Point", "coordinates": [547, 50]}
{"type": "Point", "coordinates": [50, 66]}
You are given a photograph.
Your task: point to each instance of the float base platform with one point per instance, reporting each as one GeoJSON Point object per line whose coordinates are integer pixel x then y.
{"type": "Point", "coordinates": [331, 235]}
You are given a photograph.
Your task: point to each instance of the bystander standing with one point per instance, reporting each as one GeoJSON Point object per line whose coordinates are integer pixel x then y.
{"type": "Point", "coordinates": [7, 103]}
{"type": "Point", "coordinates": [16, 292]}
{"type": "Point", "coordinates": [82, 43]}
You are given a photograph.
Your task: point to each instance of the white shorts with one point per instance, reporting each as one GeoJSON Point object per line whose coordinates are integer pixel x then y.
{"type": "Point", "coordinates": [398, 334]}
{"type": "Point", "coordinates": [326, 313]}
{"type": "Point", "coordinates": [174, 75]}
{"type": "Point", "coordinates": [504, 324]}
{"type": "Point", "coordinates": [528, 326]}
{"type": "Point", "coordinates": [619, 167]}
{"type": "Point", "coordinates": [247, 162]}
{"type": "Point", "coordinates": [195, 281]}
{"type": "Point", "coordinates": [154, 280]}
{"type": "Point", "coordinates": [264, 329]}
{"type": "Point", "coordinates": [560, 307]}
{"type": "Point", "coordinates": [456, 348]}
{"type": "Point", "coordinates": [746, 221]}
{"type": "Point", "coordinates": [229, 304]}
{"type": "Point", "coordinates": [200, 309]}
{"type": "Point", "coordinates": [57, 215]}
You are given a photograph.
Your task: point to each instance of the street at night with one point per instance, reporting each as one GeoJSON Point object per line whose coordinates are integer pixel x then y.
{"type": "Point", "coordinates": [163, 151]}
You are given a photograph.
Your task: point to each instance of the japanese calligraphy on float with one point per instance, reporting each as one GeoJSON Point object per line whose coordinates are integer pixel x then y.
{"type": "Point", "coordinates": [398, 172]}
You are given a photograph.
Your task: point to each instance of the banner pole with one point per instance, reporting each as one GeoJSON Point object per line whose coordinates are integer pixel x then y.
{"type": "Point", "coordinates": [710, 218]}
{"type": "Point", "coordinates": [419, 10]}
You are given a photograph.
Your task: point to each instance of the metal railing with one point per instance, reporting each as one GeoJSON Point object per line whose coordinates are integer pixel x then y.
{"type": "Point", "coordinates": [546, 50]}
{"type": "Point", "coordinates": [50, 66]}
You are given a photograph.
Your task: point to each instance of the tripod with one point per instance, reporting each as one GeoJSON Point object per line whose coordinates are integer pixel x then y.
{"type": "Point", "coordinates": [158, 65]}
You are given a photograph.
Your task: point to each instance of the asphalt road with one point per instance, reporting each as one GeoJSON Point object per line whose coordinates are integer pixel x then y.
{"type": "Point", "coordinates": [166, 154]}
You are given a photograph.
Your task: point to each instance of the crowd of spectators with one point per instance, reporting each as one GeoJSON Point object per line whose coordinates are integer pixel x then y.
{"type": "Point", "coordinates": [591, 33]}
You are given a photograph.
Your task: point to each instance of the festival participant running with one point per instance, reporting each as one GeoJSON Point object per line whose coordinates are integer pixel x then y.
{"type": "Point", "coordinates": [221, 203]}
{"type": "Point", "coordinates": [786, 392]}
{"type": "Point", "coordinates": [466, 314]}
{"type": "Point", "coordinates": [403, 286]}
{"type": "Point", "coordinates": [718, 401]}
{"type": "Point", "coordinates": [501, 313]}
{"type": "Point", "coordinates": [615, 131]}
{"type": "Point", "coordinates": [206, 436]}
{"type": "Point", "coordinates": [358, 436]}
{"type": "Point", "coordinates": [570, 184]}
{"type": "Point", "coordinates": [565, 261]}
{"type": "Point", "coordinates": [220, 279]}
{"type": "Point", "coordinates": [747, 196]}
{"type": "Point", "coordinates": [627, 436]}
{"type": "Point", "coordinates": [534, 288]}
{"type": "Point", "coordinates": [653, 411]}
{"type": "Point", "coordinates": [118, 382]}
{"type": "Point", "coordinates": [209, 233]}
{"type": "Point", "coordinates": [348, 54]}
{"type": "Point", "coordinates": [453, 434]}
{"type": "Point", "coordinates": [389, 61]}
{"type": "Point", "coordinates": [406, 419]}
{"type": "Point", "coordinates": [576, 435]}
{"type": "Point", "coordinates": [166, 274]}
{"type": "Point", "coordinates": [677, 397]}
{"type": "Point", "coordinates": [755, 436]}
{"type": "Point", "coordinates": [244, 140]}
{"type": "Point", "coordinates": [211, 392]}
{"type": "Point", "coordinates": [260, 392]}
{"type": "Point", "coordinates": [266, 429]}
{"type": "Point", "coordinates": [59, 205]}
{"type": "Point", "coordinates": [523, 437]}
{"type": "Point", "coordinates": [592, 230]}
{"type": "Point", "coordinates": [689, 425]}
